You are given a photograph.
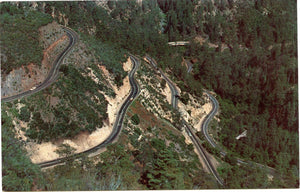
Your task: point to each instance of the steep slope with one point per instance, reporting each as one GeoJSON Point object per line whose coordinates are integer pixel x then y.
{"type": "Point", "coordinates": [25, 57]}
{"type": "Point", "coordinates": [248, 58]}
{"type": "Point", "coordinates": [59, 116]}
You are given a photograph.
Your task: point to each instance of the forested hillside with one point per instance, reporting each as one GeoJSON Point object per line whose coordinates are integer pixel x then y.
{"type": "Point", "coordinates": [18, 172]}
{"type": "Point", "coordinates": [247, 55]}
{"type": "Point", "coordinates": [149, 155]}
{"type": "Point", "coordinates": [18, 25]}
{"type": "Point", "coordinates": [255, 76]}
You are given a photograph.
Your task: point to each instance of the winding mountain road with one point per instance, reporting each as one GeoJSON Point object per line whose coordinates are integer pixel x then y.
{"type": "Point", "coordinates": [208, 118]}
{"type": "Point", "coordinates": [174, 91]}
{"type": "Point", "coordinates": [186, 125]}
{"type": "Point", "coordinates": [53, 75]}
{"type": "Point", "coordinates": [54, 71]}
{"type": "Point", "coordinates": [202, 153]}
{"type": "Point", "coordinates": [190, 66]}
{"type": "Point", "coordinates": [204, 129]}
{"type": "Point", "coordinates": [117, 125]}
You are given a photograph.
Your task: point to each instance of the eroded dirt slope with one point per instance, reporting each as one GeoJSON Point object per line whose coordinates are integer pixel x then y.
{"type": "Point", "coordinates": [53, 39]}
{"type": "Point", "coordinates": [83, 141]}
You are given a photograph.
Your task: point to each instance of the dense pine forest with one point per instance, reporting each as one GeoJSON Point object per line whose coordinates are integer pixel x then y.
{"type": "Point", "coordinates": [252, 68]}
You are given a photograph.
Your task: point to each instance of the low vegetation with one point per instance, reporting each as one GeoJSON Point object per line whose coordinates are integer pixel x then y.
{"type": "Point", "coordinates": [108, 55]}
{"type": "Point", "coordinates": [73, 105]}
{"type": "Point", "coordinates": [150, 155]}
{"type": "Point", "coordinates": [246, 177]}
{"type": "Point", "coordinates": [18, 172]}
{"type": "Point", "coordinates": [254, 76]}
{"type": "Point", "coordinates": [20, 36]}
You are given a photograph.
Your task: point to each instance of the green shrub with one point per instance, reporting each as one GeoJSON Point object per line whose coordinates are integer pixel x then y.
{"type": "Point", "coordinates": [24, 114]}
{"type": "Point", "coordinates": [19, 36]}
{"type": "Point", "coordinates": [135, 119]}
{"type": "Point", "coordinates": [185, 98]}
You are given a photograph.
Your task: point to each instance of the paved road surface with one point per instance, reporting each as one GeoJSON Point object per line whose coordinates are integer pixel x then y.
{"type": "Point", "coordinates": [54, 71]}
{"type": "Point", "coordinates": [178, 43]}
{"type": "Point", "coordinates": [52, 76]}
{"type": "Point", "coordinates": [118, 123]}
{"type": "Point", "coordinates": [204, 129]}
{"type": "Point", "coordinates": [174, 91]}
{"type": "Point", "coordinates": [186, 126]}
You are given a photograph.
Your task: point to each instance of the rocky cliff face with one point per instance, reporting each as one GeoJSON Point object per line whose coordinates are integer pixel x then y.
{"type": "Point", "coordinates": [53, 39]}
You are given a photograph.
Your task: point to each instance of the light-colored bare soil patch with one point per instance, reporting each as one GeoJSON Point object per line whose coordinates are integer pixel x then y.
{"type": "Point", "coordinates": [84, 141]}
{"type": "Point", "coordinates": [167, 92]}
{"type": "Point", "coordinates": [202, 40]}
{"type": "Point", "coordinates": [212, 159]}
{"type": "Point", "coordinates": [270, 177]}
{"type": "Point", "coordinates": [153, 101]}
{"type": "Point", "coordinates": [121, 93]}
{"type": "Point", "coordinates": [195, 112]}
{"type": "Point", "coordinates": [189, 141]}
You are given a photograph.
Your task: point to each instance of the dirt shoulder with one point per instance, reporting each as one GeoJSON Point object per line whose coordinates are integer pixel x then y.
{"type": "Point", "coordinates": [195, 112]}
{"type": "Point", "coordinates": [53, 39]}
{"type": "Point", "coordinates": [84, 141]}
